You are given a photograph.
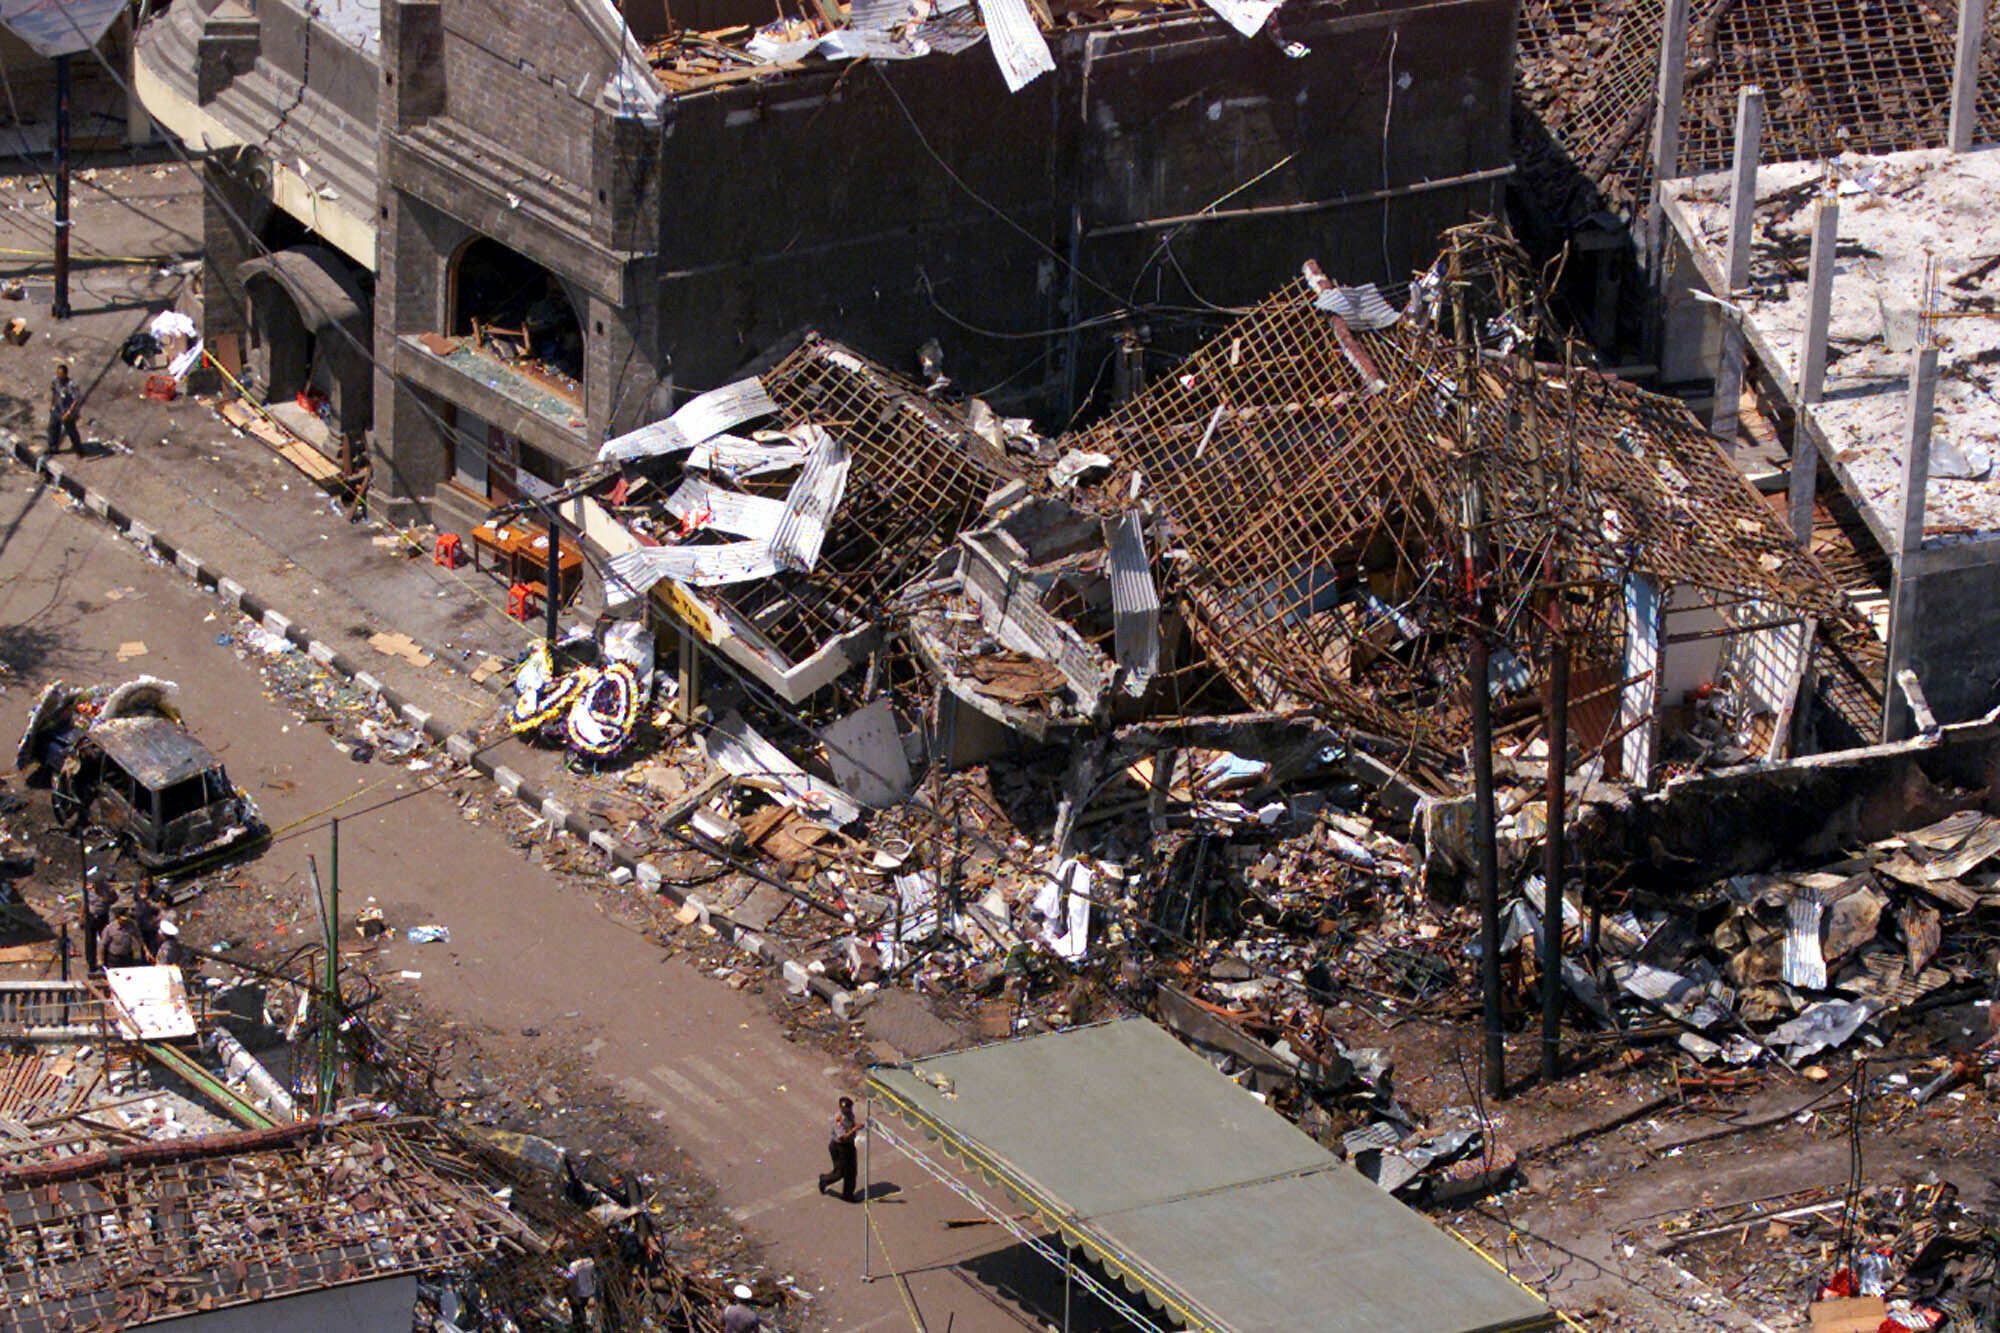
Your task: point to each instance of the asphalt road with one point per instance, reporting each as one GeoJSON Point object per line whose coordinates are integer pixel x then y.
{"type": "Point", "coordinates": [711, 1066]}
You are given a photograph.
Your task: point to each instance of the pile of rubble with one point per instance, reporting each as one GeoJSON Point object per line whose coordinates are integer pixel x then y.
{"type": "Point", "coordinates": [1903, 1256]}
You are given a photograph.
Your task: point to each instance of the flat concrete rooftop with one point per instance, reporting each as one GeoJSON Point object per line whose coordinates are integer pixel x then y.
{"type": "Point", "coordinates": [1898, 212]}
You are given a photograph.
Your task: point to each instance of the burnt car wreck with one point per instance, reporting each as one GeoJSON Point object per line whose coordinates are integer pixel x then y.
{"type": "Point", "coordinates": [122, 758]}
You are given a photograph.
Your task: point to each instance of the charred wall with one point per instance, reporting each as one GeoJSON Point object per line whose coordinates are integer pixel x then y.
{"type": "Point", "coordinates": [829, 199]}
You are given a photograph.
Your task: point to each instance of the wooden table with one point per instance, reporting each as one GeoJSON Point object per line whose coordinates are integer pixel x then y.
{"type": "Point", "coordinates": [523, 552]}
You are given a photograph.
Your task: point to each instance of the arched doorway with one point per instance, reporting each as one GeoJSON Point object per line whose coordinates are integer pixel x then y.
{"type": "Point", "coordinates": [308, 344]}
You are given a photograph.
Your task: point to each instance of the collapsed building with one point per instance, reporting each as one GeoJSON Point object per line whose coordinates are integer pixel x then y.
{"type": "Point", "coordinates": [1274, 566]}
{"type": "Point", "coordinates": [1279, 525]}
{"type": "Point", "coordinates": [555, 220]}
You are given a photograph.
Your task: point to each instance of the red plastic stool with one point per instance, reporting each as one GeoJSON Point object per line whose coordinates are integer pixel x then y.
{"type": "Point", "coordinates": [521, 601]}
{"type": "Point", "coordinates": [450, 551]}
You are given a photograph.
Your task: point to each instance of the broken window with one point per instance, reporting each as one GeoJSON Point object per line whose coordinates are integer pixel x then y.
{"type": "Point", "coordinates": [515, 310]}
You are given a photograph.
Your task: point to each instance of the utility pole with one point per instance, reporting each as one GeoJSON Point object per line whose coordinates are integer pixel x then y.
{"type": "Point", "coordinates": [1486, 852]}
{"type": "Point", "coordinates": [1472, 520]}
{"type": "Point", "coordinates": [1553, 848]}
{"type": "Point", "coordinates": [553, 580]}
{"type": "Point", "coordinates": [59, 307]}
{"type": "Point", "coordinates": [328, 904]}
{"type": "Point", "coordinates": [329, 1082]}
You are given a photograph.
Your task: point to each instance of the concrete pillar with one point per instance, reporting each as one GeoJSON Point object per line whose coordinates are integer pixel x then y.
{"type": "Point", "coordinates": [1667, 118]}
{"type": "Point", "coordinates": [410, 452]}
{"type": "Point", "coordinates": [1965, 75]}
{"type": "Point", "coordinates": [138, 125]}
{"type": "Point", "coordinates": [412, 64]}
{"type": "Point", "coordinates": [231, 209]}
{"type": "Point", "coordinates": [1922, 404]}
{"type": "Point", "coordinates": [1812, 364]}
{"type": "Point", "coordinates": [1742, 232]}
{"type": "Point", "coordinates": [687, 658]}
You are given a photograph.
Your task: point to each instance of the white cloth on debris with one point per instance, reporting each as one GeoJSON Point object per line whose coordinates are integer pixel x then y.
{"type": "Point", "coordinates": [171, 324]}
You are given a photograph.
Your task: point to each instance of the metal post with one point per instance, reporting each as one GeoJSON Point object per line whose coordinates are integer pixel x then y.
{"type": "Point", "coordinates": [1553, 849]}
{"type": "Point", "coordinates": [59, 307]}
{"type": "Point", "coordinates": [83, 905]}
{"type": "Point", "coordinates": [1727, 407]}
{"type": "Point", "coordinates": [1812, 365]}
{"type": "Point", "coordinates": [329, 1084]}
{"type": "Point", "coordinates": [1069, 1267]}
{"type": "Point", "coordinates": [1488, 852]}
{"type": "Point", "coordinates": [553, 583]}
{"type": "Point", "coordinates": [1922, 404]}
{"type": "Point", "coordinates": [867, 1181]}
{"type": "Point", "coordinates": [1965, 75]}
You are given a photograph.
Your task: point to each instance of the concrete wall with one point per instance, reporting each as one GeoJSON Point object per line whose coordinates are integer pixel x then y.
{"type": "Point", "coordinates": [1749, 819]}
{"type": "Point", "coordinates": [1956, 654]}
{"type": "Point", "coordinates": [512, 73]}
{"type": "Point", "coordinates": [837, 216]}
{"type": "Point", "coordinates": [341, 75]}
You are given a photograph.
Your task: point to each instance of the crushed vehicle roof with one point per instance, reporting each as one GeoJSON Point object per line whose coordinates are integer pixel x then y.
{"type": "Point", "coordinates": [156, 751]}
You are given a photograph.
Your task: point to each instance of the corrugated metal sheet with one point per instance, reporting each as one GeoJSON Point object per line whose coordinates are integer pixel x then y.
{"type": "Point", "coordinates": [736, 747]}
{"type": "Point", "coordinates": [1246, 16]}
{"type": "Point", "coordinates": [702, 566]}
{"type": "Point", "coordinates": [1804, 961]}
{"type": "Point", "coordinates": [1135, 602]}
{"type": "Point", "coordinates": [1018, 45]}
{"type": "Point", "coordinates": [734, 457]}
{"type": "Point", "coordinates": [1361, 307]}
{"type": "Point", "coordinates": [700, 418]}
{"type": "Point", "coordinates": [753, 516]}
{"type": "Point", "coordinates": [812, 501]}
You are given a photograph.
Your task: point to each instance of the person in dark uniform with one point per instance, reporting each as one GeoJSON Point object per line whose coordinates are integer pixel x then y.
{"type": "Point", "coordinates": [146, 910]}
{"type": "Point", "coordinates": [119, 945]}
{"type": "Point", "coordinates": [840, 1147]}
{"type": "Point", "coordinates": [65, 401]}
{"type": "Point", "coordinates": [99, 899]}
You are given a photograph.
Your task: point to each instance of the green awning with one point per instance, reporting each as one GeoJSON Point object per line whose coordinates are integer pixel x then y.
{"type": "Point", "coordinates": [1188, 1188]}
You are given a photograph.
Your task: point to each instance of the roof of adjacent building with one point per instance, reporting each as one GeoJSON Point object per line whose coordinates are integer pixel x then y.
{"type": "Point", "coordinates": [1836, 76]}
{"type": "Point", "coordinates": [171, 1227]}
{"type": "Point", "coordinates": [1190, 1189]}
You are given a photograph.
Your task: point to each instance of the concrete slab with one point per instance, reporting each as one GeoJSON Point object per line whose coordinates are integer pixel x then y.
{"type": "Point", "coordinates": [1898, 213]}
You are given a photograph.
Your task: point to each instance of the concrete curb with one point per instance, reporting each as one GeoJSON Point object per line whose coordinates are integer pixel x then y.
{"type": "Point", "coordinates": [458, 745]}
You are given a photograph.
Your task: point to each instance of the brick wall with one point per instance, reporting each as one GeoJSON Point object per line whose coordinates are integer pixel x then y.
{"type": "Point", "coordinates": [522, 74]}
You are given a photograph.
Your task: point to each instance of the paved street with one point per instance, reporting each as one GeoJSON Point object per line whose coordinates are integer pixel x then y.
{"type": "Point", "coordinates": [709, 1064]}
